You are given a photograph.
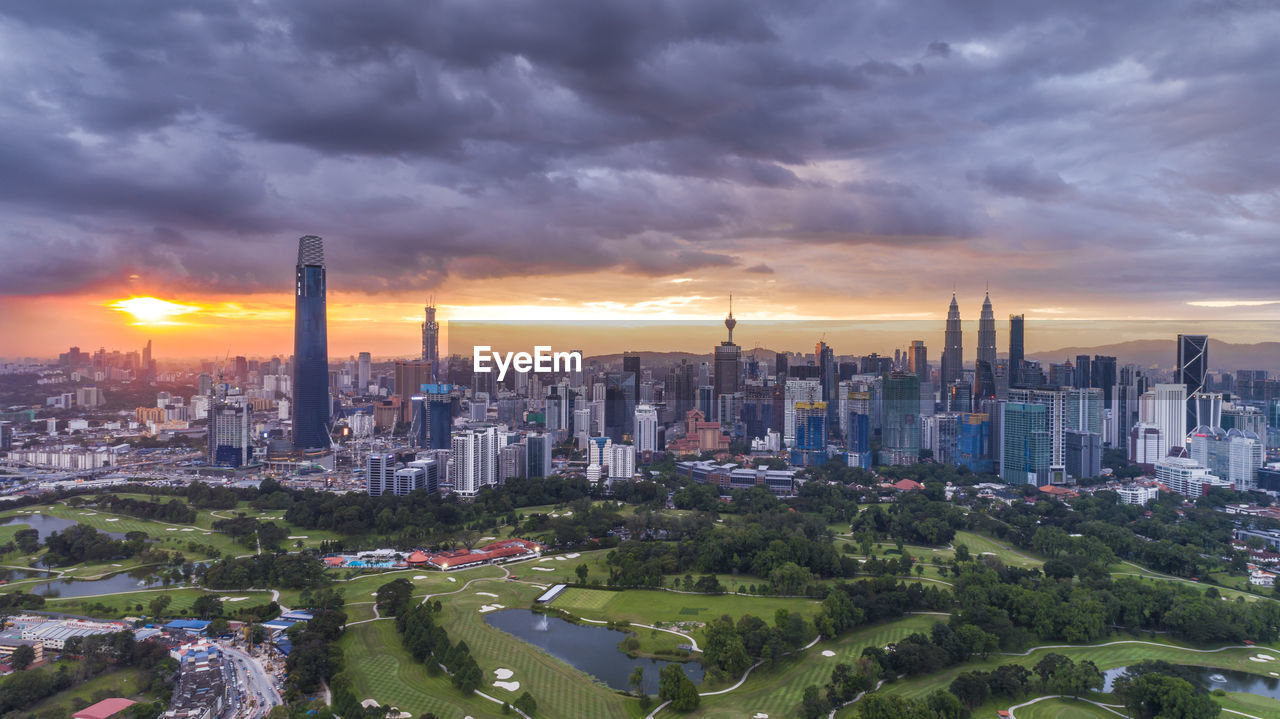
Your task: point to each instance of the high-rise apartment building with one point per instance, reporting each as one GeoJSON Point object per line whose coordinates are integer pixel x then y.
{"type": "Point", "coordinates": [1017, 354]}
{"type": "Point", "coordinates": [538, 463]}
{"type": "Point", "coordinates": [1026, 444]}
{"type": "Point", "coordinates": [431, 342]}
{"type": "Point", "coordinates": [474, 460]}
{"type": "Point", "coordinates": [380, 470]}
{"type": "Point", "coordinates": [646, 429]}
{"type": "Point", "coordinates": [900, 430]}
{"type": "Point", "coordinates": [228, 439]}
{"type": "Point", "coordinates": [918, 360]}
{"type": "Point", "coordinates": [364, 373]}
{"type": "Point", "coordinates": [310, 348]}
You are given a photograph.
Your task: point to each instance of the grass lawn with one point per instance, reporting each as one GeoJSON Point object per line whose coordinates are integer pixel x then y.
{"type": "Point", "coordinates": [381, 670]}
{"type": "Point", "coordinates": [117, 683]}
{"type": "Point", "coordinates": [778, 691]}
{"type": "Point", "coordinates": [1062, 709]}
{"type": "Point", "coordinates": [1250, 704]}
{"type": "Point", "coordinates": [1107, 657]}
{"type": "Point", "coordinates": [126, 604]}
{"type": "Point", "coordinates": [979, 544]}
{"type": "Point", "coordinates": [658, 607]}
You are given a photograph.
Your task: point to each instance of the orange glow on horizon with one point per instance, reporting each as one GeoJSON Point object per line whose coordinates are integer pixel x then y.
{"type": "Point", "coordinates": [153, 311]}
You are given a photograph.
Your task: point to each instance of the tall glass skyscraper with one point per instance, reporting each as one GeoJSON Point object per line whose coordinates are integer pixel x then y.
{"type": "Point", "coordinates": [1192, 369]}
{"type": "Point", "coordinates": [310, 348]}
{"type": "Point", "coordinates": [1016, 353]}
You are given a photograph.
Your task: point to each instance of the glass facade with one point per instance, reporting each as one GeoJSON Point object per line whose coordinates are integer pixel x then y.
{"type": "Point", "coordinates": [310, 349]}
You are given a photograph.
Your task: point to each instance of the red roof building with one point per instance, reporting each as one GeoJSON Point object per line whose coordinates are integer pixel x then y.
{"type": "Point", "coordinates": [907, 485]}
{"type": "Point", "coordinates": [502, 551]}
{"type": "Point", "coordinates": [417, 559]}
{"type": "Point", "coordinates": [104, 709]}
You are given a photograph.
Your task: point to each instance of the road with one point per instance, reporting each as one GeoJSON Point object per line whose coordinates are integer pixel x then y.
{"type": "Point", "coordinates": [259, 694]}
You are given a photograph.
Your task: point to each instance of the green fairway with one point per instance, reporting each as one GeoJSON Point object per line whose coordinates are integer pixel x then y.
{"type": "Point", "coordinates": [1064, 709]}
{"type": "Point", "coordinates": [380, 669]}
{"type": "Point", "coordinates": [1250, 704]}
{"type": "Point", "coordinates": [778, 691]}
{"type": "Point", "coordinates": [646, 606]}
{"type": "Point", "coordinates": [980, 544]}
{"type": "Point", "coordinates": [575, 598]}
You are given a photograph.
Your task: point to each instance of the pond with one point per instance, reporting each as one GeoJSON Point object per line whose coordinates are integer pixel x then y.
{"type": "Point", "coordinates": [45, 524]}
{"type": "Point", "coordinates": [130, 581]}
{"type": "Point", "coordinates": [1225, 679]}
{"type": "Point", "coordinates": [592, 649]}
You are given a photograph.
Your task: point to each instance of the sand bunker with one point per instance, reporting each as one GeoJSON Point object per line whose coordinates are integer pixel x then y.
{"type": "Point", "coordinates": [297, 536]}
{"type": "Point", "coordinates": [419, 576]}
{"type": "Point", "coordinates": [185, 529]}
{"type": "Point", "coordinates": [1265, 657]}
{"type": "Point", "coordinates": [113, 519]}
{"type": "Point", "coordinates": [542, 569]}
{"type": "Point", "coordinates": [487, 539]}
{"type": "Point", "coordinates": [503, 673]}
{"type": "Point", "coordinates": [828, 653]}
{"type": "Point", "coordinates": [760, 715]}
{"type": "Point", "coordinates": [572, 555]}
{"type": "Point", "coordinates": [560, 559]}
{"type": "Point", "coordinates": [487, 594]}
{"type": "Point", "coordinates": [491, 608]}
{"type": "Point", "coordinates": [369, 703]}
{"type": "Point", "coordinates": [117, 565]}
{"type": "Point", "coordinates": [453, 579]}
{"type": "Point", "coordinates": [547, 559]}
{"type": "Point", "coordinates": [509, 686]}
{"type": "Point", "coordinates": [170, 529]}
{"type": "Point", "coordinates": [232, 599]}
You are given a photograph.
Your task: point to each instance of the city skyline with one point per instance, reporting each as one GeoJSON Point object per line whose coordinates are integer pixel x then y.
{"type": "Point", "coordinates": [1061, 155]}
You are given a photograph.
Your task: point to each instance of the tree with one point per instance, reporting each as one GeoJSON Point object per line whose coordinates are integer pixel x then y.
{"type": "Point", "coordinates": [207, 606]}
{"type": "Point", "coordinates": [675, 687]}
{"type": "Point", "coordinates": [1077, 679]}
{"type": "Point", "coordinates": [581, 570]}
{"type": "Point", "coordinates": [22, 657]}
{"type": "Point", "coordinates": [1157, 695]}
{"type": "Point", "coordinates": [812, 706]}
{"type": "Point", "coordinates": [159, 604]}
{"type": "Point", "coordinates": [526, 704]}
{"type": "Point", "coordinates": [637, 680]}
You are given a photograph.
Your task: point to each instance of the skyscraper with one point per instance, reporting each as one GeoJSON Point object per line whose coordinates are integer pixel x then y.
{"type": "Point", "coordinates": [901, 428]}
{"type": "Point", "coordinates": [431, 341]}
{"type": "Point", "coordinates": [727, 356]}
{"type": "Point", "coordinates": [918, 360]}
{"type": "Point", "coordinates": [1193, 365]}
{"type": "Point", "coordinates": [828, 377]}
{"type": "Point", "coordinates": [953, 351]}
{"type": "Point", "coordinates": [984, 366]}
{"type": "Point", "coordinates": [364, 369]}
{"type": "Point", "coordinates": [1016, 353]}
{"type": "Point", "coordinates": [646, 429]}
{"type": "Point", "coordinates": [310, 348]}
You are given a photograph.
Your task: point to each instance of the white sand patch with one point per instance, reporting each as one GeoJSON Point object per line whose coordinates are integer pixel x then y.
{"type": "Point", "coordinates": [503, 673]}
{"type": "Point", "coordinates": [232, 599]}
{"type": "Point", "coordinates": [491, 608]}
{"type": "Point", "coordinates": [87, 514]}
{"type": "Point", "coordinates": [185, 529]}
{"type": "Point", "coordinates": [760, 715]}
{"type": "Point", "coordinates": [170, 529]}
{"type": "Point", "coordinates": [542, 569]}
{"type": "Point", "coordinates": [419, 576]}
{"type": "Point", "coordinates": [487, 539]}
{"type": "Point", "coordinates": [1274, 674]}
{"type": "Point", "coordinates": [509, 686]}
{"type": "Point", "coordinates": [453, 579]}
{"type": "Point", "coordinates": [828, 653]}
{"type": "Point", "coordinates": [297, 536]}
{"type": "Point", "coordinates": [373, 594]}
{"type": "Point", "coordinates": [547, 559]}
{"type": "Point", "coordinates": [206, 533]}
{"type": "Point", "coordinates": [113, 519]}
{"type": "Point", "coordinates": [487, 594]}
{"type": "Point", "coordinates": [399, 715]}
{"type": "Point", "coordinates": [560, 559]}
{"type": "Point", "coordinates": [554, 514]}
{"type": "Point", "coordinates": [1266, 657]}
{"type": "Point", "coordinates": [369, 703]}
{"type": "Point", "coordinates": [567, 514]}
{"type": "Point", "coordinates": [572, 555]}
{"type": "Point", "coordinates": [1260, 660]}
{"type": "Point", "coordinates": [117, 565]}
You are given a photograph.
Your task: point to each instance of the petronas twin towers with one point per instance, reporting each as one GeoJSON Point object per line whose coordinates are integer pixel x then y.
{"type": "Point", "coordinates": [953, 349]}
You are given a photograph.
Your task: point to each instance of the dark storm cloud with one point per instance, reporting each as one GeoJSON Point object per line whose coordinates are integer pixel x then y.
{"type": "Point", "coordinates": [190, 142]}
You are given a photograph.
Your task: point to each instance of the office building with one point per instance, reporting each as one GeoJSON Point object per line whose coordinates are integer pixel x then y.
{"type": "Point", "coordinates": [380, 470]}
{"type": "Point", "coordinates": [1055, 403]}
{"type": "Point", "coordinates": [1165, 407]}
{"type": "Point", "coordinates": [310, 348]}
{"type": "Point", "coordinates": [1026, 447]}
{"type": "Point", "coordinates": [900, 431]}
{"type": "Point", "coordinates": [918, 360]}
{"type": "Point", "coordinates": [1187, 477]}
{"type": "Point", "coordinates": [418, 476]}
{"type": "Point", "coordinates": [538, 462]}
{"type": "Point", "coordinates": [1084, 410]}
{"type": "Point", "coordinates": [952, 350]}
{"type": "Point", "coordinates": [940, 434]}
{"type": "Point", "coordinates": [973, 442]}
{"type": "Point", "coordinates": [1206, 409]}
{"type": "Point", "coordinates": [796, 391]}
{"type": "Point", "coordinates": [1146, 444]}
{"type": "Point", "coordinates": [1017, 355]}
{"type": "Point", "coordinates": [1233, 455]}
{"type": "Point", "coordinates": [1192, 369]}
{"type": "Point", "coordinates": [1083, 372]}
{"type": "Point", "coordinates": [432, 416]}
{"type": "Point", "coordinates": [1083, 453]}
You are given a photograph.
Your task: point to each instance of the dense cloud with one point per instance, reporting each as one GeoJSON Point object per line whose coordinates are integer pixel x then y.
{"type": "Point", "coordinates": [1128, 145]}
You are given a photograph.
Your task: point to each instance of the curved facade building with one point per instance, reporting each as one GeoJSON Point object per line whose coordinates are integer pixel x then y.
{"type": "Point", "coordinates": [310, 348]}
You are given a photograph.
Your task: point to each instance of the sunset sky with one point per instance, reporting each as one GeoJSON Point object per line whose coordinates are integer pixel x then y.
{"type": "Point", "coordinates": [621, 160]}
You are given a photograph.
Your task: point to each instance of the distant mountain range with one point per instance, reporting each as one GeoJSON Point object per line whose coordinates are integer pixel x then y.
{"type": "Point", "coordinates": [1144, 353]}
{"type": "Point", "coordinates": [1163, 353]}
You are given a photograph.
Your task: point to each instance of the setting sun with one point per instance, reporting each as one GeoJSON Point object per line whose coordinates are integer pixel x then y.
{"type": "Point", "coordinates": [153, 311]}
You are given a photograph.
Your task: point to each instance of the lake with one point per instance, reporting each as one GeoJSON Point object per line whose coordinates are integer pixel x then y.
{"type": "Point", "coordinates": [591, 649]}
{"type": "Point", "coordinates": [130, 581]}
{"type": "Point", "coordinates": [1225, 679]}
{"type": "Point", "coordinates": [45, 524]}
